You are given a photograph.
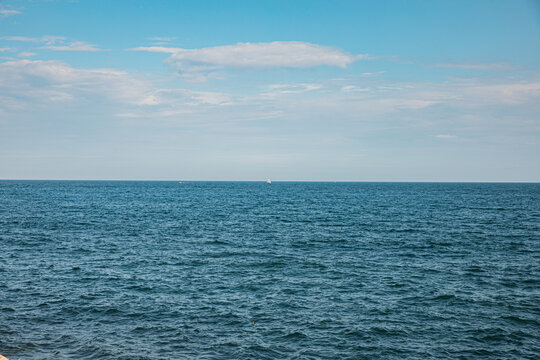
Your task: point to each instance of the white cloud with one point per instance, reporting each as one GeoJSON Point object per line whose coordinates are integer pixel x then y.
{"type": "Point", "coordinates": [480, 67]}
{"type": "Point", "coordinates": [445, 136]}
{"type": "Point", "coordinates": [157, 49]}
{"type": "Point", "coordinates": [51, 39]}
{"type": "Point", "coordinates": [370, 74]}
{"type": "Point", "coordinates": [38, 82]}
{"type": "Point", "coordinates": [264, 55]}
{"type": "Point", "coordinates": [74, 46]}
{"type": "Point", "coordinates": [32, 85]}
{"type": "Point", "coordinates": [26, 54]}
{"type": "Point", "coordinates": [276, 90]}
{"type": "Point", "coordinates": [47, 39]}
{"type": "Point", "coordinates": [20, 38]}
{"type": "Point", "coordinates": [4, 12]}
{"type": "Point", "coordinates": [5, 49]}
{"type": "Point", "coordinates": [27, 84]}
{"type": "Point", "coordinates": [353, 88]}
{"type": "Point", "coordinates": [161, 39]}
{"type": "Point", "coordinates": [58, 43]}
{"type": "Point", "coordinates": [277, 54]}
{"type": "Point", "coordinates": [294, 88]}
{"type": "Point", "coordinates": [516, 92]}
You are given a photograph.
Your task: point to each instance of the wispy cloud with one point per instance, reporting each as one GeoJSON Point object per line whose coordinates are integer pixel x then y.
{"type": "Point", "coordinates": [5, 12]}
{"type": "Point", "coordinates": [58, 43]}
{"type": "Point", "coordinates": [157, 49]}
{"type": "Point", "coordinates": [26, 84]}
{"type": "Point", "coordinates": [26, 54]}
{"type": "Point", "coordinates": [509, 92]}
{"type": "Point", "coordinates": [46, 83]}
{"type": "Point", "coordinates": [162, 39]}
{"type": "Point", "coordinates": [74, 46]}
{"type": "Point", "coordinates": [480, 66]}
{"type": "Point", "coordinates": [353, 88]}
{"type": "Point", "coordinates": [445, 136]}
{"type": "Point", "coordinates": [47, 39]}
{"type": "Point", "coordinates": [40, 82]}
{"type": "Point", "coordinates": [282, 90]}
{"type": "Point", "coordinates": [294, 88]}
{"type": "Point", "coordinates": [5, 49]}
{"type": "Point", "coordinates": [277, 54]}
{"type": "Point", "coordinates": [52, 39]}
{"type": "Point", "coordinates": [20, 38]}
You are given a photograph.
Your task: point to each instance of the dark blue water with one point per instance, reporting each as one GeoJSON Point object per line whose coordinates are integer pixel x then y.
{"type": "Point", "coordinates": [162, 270]}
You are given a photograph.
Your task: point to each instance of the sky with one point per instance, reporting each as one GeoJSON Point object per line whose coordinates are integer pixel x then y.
{"type": "Point", "coordinates": [282, 90]}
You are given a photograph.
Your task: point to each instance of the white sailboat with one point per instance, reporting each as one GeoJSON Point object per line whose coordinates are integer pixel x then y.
{"type": "Point", "coordinates": [268, 181]}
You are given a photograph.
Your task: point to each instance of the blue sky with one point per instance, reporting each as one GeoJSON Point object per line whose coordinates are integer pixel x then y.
{"type": "Point", "coordinates": [288, 90]}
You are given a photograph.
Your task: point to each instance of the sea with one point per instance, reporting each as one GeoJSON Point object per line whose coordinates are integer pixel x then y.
{"type": "Point", "coordinates": [250, 270]}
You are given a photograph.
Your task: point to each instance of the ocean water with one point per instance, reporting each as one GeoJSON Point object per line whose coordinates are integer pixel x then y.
{"type": "Point", "coordinates": [247, 270]}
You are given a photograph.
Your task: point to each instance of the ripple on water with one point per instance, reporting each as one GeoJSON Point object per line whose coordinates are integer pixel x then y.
{"type": "Point", "coordinates": [146, 270]}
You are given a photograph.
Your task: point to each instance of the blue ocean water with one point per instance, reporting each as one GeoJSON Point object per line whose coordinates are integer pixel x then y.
{"type": "Point", "coordinates": [240, 270]}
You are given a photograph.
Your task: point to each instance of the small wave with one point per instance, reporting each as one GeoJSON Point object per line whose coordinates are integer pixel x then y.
{"type": "Point", "coordinates": [521, 320]}
{"type": "Point", "coordinates": [295, 335]}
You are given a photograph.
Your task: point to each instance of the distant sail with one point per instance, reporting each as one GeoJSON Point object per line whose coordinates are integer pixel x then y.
{"type": "Point", "coordinates": [268, 181]}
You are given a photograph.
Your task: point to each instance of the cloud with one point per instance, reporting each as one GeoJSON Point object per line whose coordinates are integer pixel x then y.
{"type": "Point", "coordinates": [47, 39]}
{"type": "Point", "coordinates": [494, 92]}
{"type": "Point", "coordinates": [51, 39]}
{"type": "Point", "coordinates": [26, 54]}
{"type": "Point", "coordinates": [74, 46]}
{"type": "Point", "coordinates": [294, 88]}
{"type": "Point", "coordinates": [157, 49]}
{"type": "Point", "coordinates": [445, 136]}
{"type": "Point", "coordinates": [57, 43]}
{"type": "Point", "coordinates": [262, 56]}
{"type": "Point", "coordinates": [5, 13]}
{"type": "Point", "coordinates": [277, 54]}
{"type": "Point", "coordinates": [20, 38]}
{"type": "Point", "coordinates": [353, 88]}
{"type": "Point", "coordinates": [27, 84]}
{"type": "Point", "coordinates": [278, 90]}
{"type": "Point", "coordinates": [481, 67]}
{"type": "Point", "coordinates": [161, 39]}
{"type": "Point", "coordinates": [5, 49]}
{"type": "Point", "coordinates": [37, 82]}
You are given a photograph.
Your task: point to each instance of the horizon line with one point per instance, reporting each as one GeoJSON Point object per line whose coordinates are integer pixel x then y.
{"type": "Point", "coordinates": [298, 181]}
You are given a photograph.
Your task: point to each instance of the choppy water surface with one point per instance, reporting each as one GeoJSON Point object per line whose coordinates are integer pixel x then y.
{"type": "Point", "coordinates": [162, 270]}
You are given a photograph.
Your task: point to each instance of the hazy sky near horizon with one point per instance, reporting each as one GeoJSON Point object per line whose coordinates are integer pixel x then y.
{"type": "Point", "coordinates": [287, 90]}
